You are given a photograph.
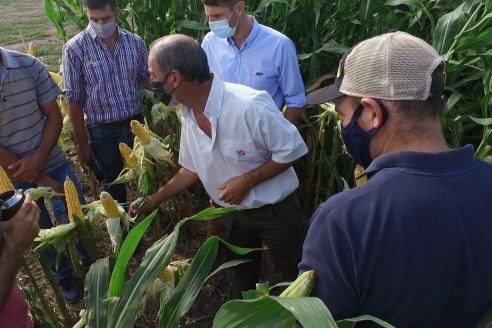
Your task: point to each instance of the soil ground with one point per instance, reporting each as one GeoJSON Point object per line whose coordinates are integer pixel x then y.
{"type": "Point", "coordinates": [25, 21]}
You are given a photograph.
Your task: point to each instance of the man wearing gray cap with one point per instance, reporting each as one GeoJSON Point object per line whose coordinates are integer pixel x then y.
{"type": "Point", "coordinates": [411, 245]}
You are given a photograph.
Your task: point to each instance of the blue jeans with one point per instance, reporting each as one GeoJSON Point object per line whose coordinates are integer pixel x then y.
{"type": "Point", "coordinates": [105, 142]}
{"type": "Point", "coordinates": [65, 267]}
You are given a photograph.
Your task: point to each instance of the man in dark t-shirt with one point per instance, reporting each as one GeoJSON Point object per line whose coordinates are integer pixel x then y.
{"type": "Point", "coordinates": [412, 245]}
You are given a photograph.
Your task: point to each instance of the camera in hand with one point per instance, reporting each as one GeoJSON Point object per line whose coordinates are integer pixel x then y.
{"type": "Point", "coordinates": [10, 202]}
{"type": "Point", "coordinates": [96, 169]}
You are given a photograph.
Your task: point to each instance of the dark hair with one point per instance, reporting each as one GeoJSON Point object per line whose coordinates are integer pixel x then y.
{"type": "Point", "coordinates": [99, 4]}
{"type": "Point", "coordinates": [430, 108]}
{"type": "Point", "coordinates": [182, 53]}
{"type": "Point", "coordinates": [217, 3]}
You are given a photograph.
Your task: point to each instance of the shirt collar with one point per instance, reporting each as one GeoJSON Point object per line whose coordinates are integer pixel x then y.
{"type": "Point", "coordinates": [214, 101]}
{"type": "Point", "coordinates": [420, 161]}
{"type": "Point", "coordinates": [8, 60]}
{"type": "Point", "coordinates": [252, 35]}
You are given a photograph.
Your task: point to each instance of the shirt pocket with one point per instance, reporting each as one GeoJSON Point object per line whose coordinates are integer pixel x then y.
{"type": "Point", "coordinates": [263, 78]}
{"type": "Point", "coordinates": [240, 153]}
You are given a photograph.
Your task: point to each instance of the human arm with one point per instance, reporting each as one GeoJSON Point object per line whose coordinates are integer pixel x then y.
{"type": "Point", "coordinates": [293, 115]}
{"type": "Point", "coordinates": [73, 75]}
{"type": "Point", "coordinates": [18, 234]}
{"type": "Point", "coordinates": [7, 158]}
{"type": "Point", "coordinates": [84, 150]}
{"type": "Point", "coordinates": [290, 82]}
{"type": "Point", "coordinates": [235, 189]}
{"type": "Point", "coordinates": [29, 168]}
{"type": "Point", "coordinates": [183, 179]}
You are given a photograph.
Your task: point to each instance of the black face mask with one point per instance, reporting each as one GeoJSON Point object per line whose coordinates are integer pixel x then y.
{"type": "Point", "coordinates": [158, 89]}
{"type": "Point", "coordinates": [357, 140]}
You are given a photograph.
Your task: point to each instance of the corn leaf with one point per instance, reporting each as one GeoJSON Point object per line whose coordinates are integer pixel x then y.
{"type": "Point", "coordinates": [96, 285]}
{"type": "Point", "coordinates": [117, 283]}
{"type": "Point", "coordinates": [350, 323]}
{"type": "Point", "coordinates": [259, 313]}
{"type": "Point", "coordinates": [187, 290]}
{"type": "Point", "coordinates": [156, 259]}
{"type": "Point", "coordinates": [446, 30]}
{"type": "Point", "coordinates": [212, 213]}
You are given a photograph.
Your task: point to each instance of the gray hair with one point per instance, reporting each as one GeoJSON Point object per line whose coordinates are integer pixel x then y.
{"type": "Point", "coordinates": [182, 53]}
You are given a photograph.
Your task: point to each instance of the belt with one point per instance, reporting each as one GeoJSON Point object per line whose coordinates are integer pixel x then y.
{"type": "Point", "coordinates": [126, 122]}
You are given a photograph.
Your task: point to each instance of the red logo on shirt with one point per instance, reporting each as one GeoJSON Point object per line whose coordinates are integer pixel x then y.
{"type": "Point", "coordinates": [240, 153]}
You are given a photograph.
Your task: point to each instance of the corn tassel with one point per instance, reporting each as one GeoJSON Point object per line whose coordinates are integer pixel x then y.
{"type": "Point", "coordinates": [109, 206]}
{"type": "Point", "coordinates": [302, 286]}
{"type": "Point", "coordinates": [167, 274]}
{"type": "Point", "coordinates": [5, 183]}
{"type": "Point", "coordinates": [73, 204]}
{"type": "Point", "coordinates": [140, 132]}
{"type": "Point", "coordinates": [129, 157]}
{"type": "Point", "coordinates": [31, 50]}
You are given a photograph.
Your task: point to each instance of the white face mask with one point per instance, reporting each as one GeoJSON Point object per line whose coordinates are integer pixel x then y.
{"type": "Point", "coordinates": [221, 27]}
{"type": "Point", "coordinates": [105, 30]}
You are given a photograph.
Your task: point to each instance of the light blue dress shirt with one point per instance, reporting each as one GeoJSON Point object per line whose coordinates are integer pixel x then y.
{"type": "Point", "coordinates": [266, 61]}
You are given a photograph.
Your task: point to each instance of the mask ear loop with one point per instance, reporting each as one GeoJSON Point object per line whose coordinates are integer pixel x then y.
{"type": "Point", "coordinates": [237, 21]}
{"type": "Point", "coordinates": [384, 110]}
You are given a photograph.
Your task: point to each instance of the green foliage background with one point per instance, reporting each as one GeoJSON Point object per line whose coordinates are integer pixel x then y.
{"type": "Point", "coordinates": [322, 30]}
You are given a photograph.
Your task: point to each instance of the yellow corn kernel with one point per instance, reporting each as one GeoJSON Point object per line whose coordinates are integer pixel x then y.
{"type": "Point", "coordinates": [73, 203]}
{"type": "Point", "coordinates": [167, 274]}
{"type": "Point", "coordinates": [109, 205]}
{"type": "Point", "coordinates": [5, 183]}
{"type": "Point", "coordinates": [129, 157]}
{"type": "Point", "coordinates": [31, 50]}
{"type": "Point", "coordinates": [140, 132]}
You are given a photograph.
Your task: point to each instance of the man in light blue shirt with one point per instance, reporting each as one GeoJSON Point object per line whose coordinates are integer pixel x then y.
{"type": "Point", "coordinates": [240, 50]}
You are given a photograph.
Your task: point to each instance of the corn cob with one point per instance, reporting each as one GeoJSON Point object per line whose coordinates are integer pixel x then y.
{"type": "Point", "coordinates": [128, 157]}
{"type": "Point", "coordinates": [167, 274]}
{"type": "Point", "coordinates": [140, 132]}
{"type": "Point", "coordinates": [5, 183]}
{"type": "Point", "coordinates": [109, 206]}
{"type": "Point", "coordinates": [31, 50]}
{"type": "Point", "coordinates": [56, 77]}
{"type": "Point", "coordinates": [302, 286]}
{"type": "Point", "coordinates": [73, 203]}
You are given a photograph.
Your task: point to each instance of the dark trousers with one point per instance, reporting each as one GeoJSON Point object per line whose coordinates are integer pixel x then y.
{"type": "Point", "coordinates": [278, 229]}
{"type": "Point", "coordinates": [105, 142]}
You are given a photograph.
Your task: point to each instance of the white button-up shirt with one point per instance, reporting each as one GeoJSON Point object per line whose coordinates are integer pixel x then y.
{"type": "Point", "coordinates": [247, 131]}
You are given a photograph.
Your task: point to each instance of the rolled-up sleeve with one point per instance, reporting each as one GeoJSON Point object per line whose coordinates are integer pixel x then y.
{"type": "Point", "coordinates": [289, 78]}
{"type": "Point", "coordinates": [273, 131]}
{"type": "Point", "coordinates": [73, 77]}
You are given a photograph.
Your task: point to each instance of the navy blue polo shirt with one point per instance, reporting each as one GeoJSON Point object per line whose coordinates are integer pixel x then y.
{"type": "Point", "coordinates": [412, 246]}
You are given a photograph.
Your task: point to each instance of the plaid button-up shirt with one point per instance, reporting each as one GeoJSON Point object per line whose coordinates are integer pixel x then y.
{"type": "Point", "coordinates": [105, 84]}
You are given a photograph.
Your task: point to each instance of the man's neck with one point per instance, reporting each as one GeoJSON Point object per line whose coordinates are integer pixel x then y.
{"type": "Point", "coordinates": [243, 30]}
{"type": "Point", "coordinates": [196, 96]}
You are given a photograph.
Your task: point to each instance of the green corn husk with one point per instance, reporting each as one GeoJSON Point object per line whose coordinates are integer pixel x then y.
{"type": "Point", "coordinates": [302, 286]}
{"type": "Point", "coordinates": [41, 192]}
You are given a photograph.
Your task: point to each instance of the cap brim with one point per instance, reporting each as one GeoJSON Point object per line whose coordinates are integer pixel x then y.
{"type": "Point", "coordinates": [323, 95]}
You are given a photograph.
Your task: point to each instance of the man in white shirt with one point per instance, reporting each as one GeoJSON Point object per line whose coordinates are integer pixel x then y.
{"type": "Point", "coordinates": [236, 142]}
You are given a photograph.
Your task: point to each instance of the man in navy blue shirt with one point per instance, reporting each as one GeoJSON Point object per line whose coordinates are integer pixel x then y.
{"type": "Point", "coordinates": [413, 244]}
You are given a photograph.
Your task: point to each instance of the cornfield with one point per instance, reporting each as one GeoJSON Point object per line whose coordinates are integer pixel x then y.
{"type": "Point", "coordinates": [461, 31]}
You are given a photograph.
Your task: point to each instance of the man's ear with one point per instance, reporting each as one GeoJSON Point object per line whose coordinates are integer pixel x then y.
{"type": "Point", "coordinates": [373, 113]}
{"type": "Point", "coordinates": [176, 78]}
{"type": "Point", "coordinates": [240, 7]}
{"type": "Point", "coordinates": [117, 12]}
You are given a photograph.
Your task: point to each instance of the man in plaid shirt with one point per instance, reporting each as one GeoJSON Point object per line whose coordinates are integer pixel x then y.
{"type": "Point", "coordinates": [104, 67]}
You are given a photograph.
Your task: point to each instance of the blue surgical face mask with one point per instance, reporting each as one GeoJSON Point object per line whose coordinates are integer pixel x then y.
{"type": "Point", "coordinates": [221, 27]}
{"type": "Point", "coordinates": [357, 140]}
